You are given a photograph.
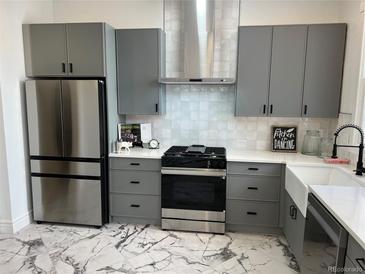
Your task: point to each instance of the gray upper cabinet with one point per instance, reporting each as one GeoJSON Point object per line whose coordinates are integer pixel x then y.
{"type": "Point", "coordinates": [287, 71]}
{"type": "Point", "coordinates": [253, 73]}
{"type": "Point", "coordinates": [323, 72]}
{"type": "Point", "coordinates": [139, 67]}
{"type": "Point", "coordinates": [85, 43]}
{"type": "Point", "coordinates": [45, 49]}
{"type": "Point", "coordinates": [290, 71]}
{"type": "Point", "coordinates": [76, 49]}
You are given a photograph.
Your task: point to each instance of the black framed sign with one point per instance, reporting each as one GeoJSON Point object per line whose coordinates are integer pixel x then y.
{"type": "Point", "coordinates": [284, 138]}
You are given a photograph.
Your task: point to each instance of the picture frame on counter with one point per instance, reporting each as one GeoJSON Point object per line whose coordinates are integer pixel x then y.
{"type": "Point", "coordinates": [284, 138]}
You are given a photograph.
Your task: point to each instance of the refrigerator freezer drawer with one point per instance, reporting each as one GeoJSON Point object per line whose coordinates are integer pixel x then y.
{"type": "Point", "coordinates": [65, 167]}
{"type": "Point", "coordinates": [66, 200]}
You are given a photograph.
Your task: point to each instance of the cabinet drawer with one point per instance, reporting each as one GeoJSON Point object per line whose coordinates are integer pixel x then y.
{"type": "Point", "coordinates": [130, 205]}
{"type": "Point", "coordinates": [254, 168]}
{"type": "Point", "coordinates": [252, 213]}
{"type": "Point", "coordinates": [263, 188]}
{"type": "Point", "coordinates": [135, 164]}
{"type": "Point", "coordinates": [356, 253]}
{"type": "Point", "coordinates": [136, 182]}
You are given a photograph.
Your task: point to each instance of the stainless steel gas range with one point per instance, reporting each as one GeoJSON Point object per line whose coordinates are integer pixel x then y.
{"type": "Point", "coordinates": [194, 188]}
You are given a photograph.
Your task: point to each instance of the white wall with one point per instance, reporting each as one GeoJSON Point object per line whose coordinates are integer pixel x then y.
{"type": "Point", "coordinates": [5, 213]}
{"type": "Point", "coordinates": [119, 14]}
{"type": "Point", "coordinates": [12, 75]}
{"type": "Point", "coordinates": [350, 13]}
{"type": "Point", "coordinates": [258, 12]}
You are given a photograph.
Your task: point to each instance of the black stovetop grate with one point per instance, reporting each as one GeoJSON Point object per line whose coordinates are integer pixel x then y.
{"type": "Point", "coordinates": [196, 150]}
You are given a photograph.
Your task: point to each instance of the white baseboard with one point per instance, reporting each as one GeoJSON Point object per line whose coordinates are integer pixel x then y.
{"type": "Point", "coordinates": [8, 227]}
{"type": "Point", "coordinates": [22, 221]}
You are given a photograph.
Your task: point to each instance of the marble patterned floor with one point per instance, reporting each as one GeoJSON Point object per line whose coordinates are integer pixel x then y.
{"type": "Point", "coordinates": [121, 248]}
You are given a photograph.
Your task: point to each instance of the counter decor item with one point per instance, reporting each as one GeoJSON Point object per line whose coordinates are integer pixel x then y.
{"type": "Point", "coordinates": [284, 138]}
{"type": "Point", "coordinates": [124, 146]}
{"type": "Point", "coordinates": [326, 147]}
{"type": "Point", "coordinates": [336, 161]}
{"type": "Point", "coordinates": [311, 143]}
{"type": "Point", "coordinates": [153, 144]}
{"type": "Point", "coordinates": [135, 133]}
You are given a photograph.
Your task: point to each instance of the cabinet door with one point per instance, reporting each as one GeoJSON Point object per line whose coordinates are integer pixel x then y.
{"type": "Point", "coordinates": [323, 71]}
{"type": "Point", "coordinates": [253, 73]}
{"type": "Point", "coordinates": [287, 71]}
{"type": "Point", "coordinates": [85, 44]}
{"type": "Point", "coordinates": [45, 49]}
{"type": "Point", "coordinates": [294, 224]}
{"type": "Point", "coordinates": [138, 71]}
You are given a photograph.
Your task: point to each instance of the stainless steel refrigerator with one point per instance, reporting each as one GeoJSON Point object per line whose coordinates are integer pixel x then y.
{"type": "Point", "coordinates": [68, 146]}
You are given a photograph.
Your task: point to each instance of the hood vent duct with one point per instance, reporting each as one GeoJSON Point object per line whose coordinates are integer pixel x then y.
{"type": "Point", "coordinates": [201, 41]}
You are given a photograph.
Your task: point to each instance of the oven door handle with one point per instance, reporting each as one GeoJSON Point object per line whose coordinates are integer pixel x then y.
{"type": "Point", "coordinates": [194, 172]}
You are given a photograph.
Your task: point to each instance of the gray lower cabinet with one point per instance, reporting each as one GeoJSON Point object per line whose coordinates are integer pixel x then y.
{"type": "Point", "coordinates": [74, 50]}
{"type": "Point", "coordinates": [355, 257]}
{"type": "Point", "coordinates": [253, 70]}
{"type": "Point", "coordinates": [140, 65]}
{"type": "Point", "coordinates": [253, 196]}
{"type": "Point", "coordinates": [135, 190]}
{"type": "Point", "coordinates": [323, 71]}
{"type": "Point", "coordinates": [294, 225]}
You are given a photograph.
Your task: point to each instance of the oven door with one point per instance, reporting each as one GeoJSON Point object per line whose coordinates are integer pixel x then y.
{"type": "Point", "coordinates": [193, 189]}
{"type": "Point", "coordinates": [325, 241]}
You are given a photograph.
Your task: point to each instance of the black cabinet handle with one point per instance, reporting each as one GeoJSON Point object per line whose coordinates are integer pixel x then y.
{"type": "Point", "coordinates": [251, 213]}
{"type": "Point", "coordinates": [305, 109]}
{"type": "Point", "coordinates": [253, 168]}
{"type": "Point", "coordinates": [133, 205]}
{"type": "Point", "coordinates": [271, 107]}
{"type": "Point", "coordinates": [63, 67]}
{"type": "Point", "coordinates": [156, 107]}
{"type": "Point", "coordinates": [71, 68]}
{"type": "Point", "coordinates": [264, 109]}
{"type": "Point", "coordinates": [252, 188]}
{"type": "Point", "coordinates": [361, 263]}
{"type": "Point", "coordinates": [293, 212]}
{"type": "Point", "coordinates": [135, 164]}
{"type": "Point", "coordinates": [135, 182]}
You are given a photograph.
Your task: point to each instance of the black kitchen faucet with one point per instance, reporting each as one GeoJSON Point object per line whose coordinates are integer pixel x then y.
{"type": "Point", "coordinates": [359, 166]}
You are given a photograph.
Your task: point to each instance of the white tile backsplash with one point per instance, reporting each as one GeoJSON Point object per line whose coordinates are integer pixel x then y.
{"type": "Point", "coordinates": [197, 114]}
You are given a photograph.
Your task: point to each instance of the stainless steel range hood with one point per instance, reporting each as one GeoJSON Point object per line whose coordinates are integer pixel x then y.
{"type": "Point", "coordinates": [201, 41]}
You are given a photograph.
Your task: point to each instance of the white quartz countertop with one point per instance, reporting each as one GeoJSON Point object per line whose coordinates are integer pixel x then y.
{"type": "Point", "coordinates": [347, 205]}
{"type": "Point", "coordinates": [232, 156]}
{"type": "Point", "coordinates": [138, 152]}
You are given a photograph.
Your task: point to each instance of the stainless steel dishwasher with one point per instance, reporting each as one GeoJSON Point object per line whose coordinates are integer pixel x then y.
{"type": "Point", "coordinates": [325, 241]}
